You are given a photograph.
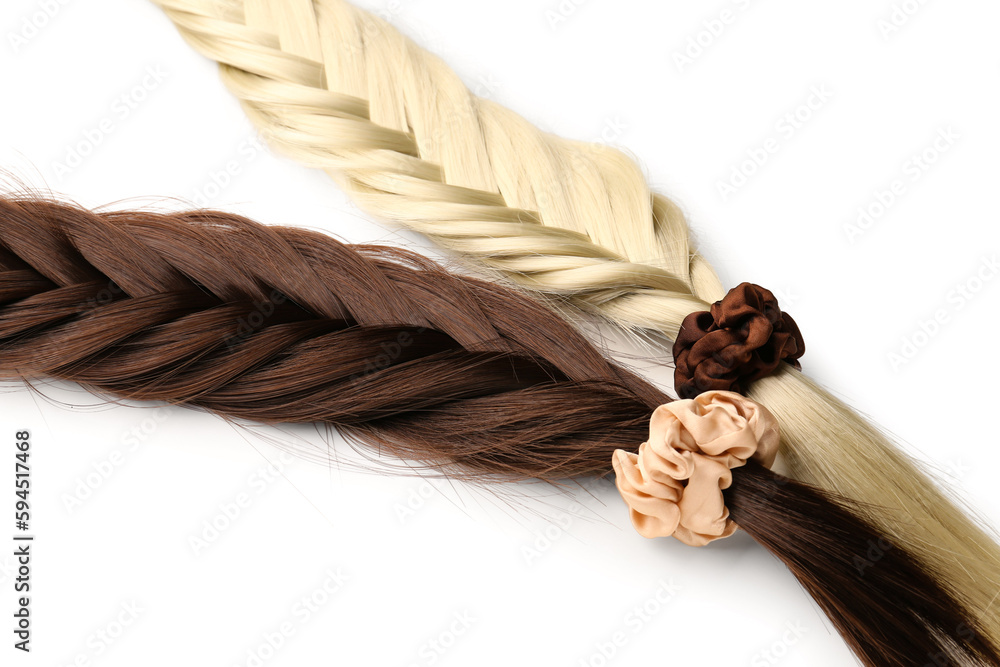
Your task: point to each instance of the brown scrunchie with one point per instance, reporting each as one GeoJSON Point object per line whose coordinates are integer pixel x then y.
{"type": "Point", "coordinates": [742, 339]}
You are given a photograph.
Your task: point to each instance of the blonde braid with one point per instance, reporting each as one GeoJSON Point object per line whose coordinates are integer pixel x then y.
{"type": "Point", "coordinates": [340, 89]}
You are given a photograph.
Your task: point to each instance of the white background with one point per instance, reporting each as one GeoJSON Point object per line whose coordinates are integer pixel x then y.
{"type": "Point", "coordinates": [597, 69]}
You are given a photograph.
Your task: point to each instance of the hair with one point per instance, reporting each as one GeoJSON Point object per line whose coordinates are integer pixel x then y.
{"type": "Point", "coordinates": [340, 89]}
{"type": "Point", "coordinates": [279, 324]}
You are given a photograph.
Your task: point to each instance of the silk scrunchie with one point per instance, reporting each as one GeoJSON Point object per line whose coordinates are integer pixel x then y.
{"type": "Point", "coordinates": [742, 339]}
{"type": "Point", "coordinates": [674, 485]}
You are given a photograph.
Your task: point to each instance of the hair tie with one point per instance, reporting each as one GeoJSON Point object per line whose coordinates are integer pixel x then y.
{"type": "Point", "coordinates": [674, 485]}
{"type": "Point", "coordinates": [742, 339]}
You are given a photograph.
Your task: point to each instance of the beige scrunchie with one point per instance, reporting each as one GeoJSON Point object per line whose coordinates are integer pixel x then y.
{"type": "Point", "coordinates": [674, 485]}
